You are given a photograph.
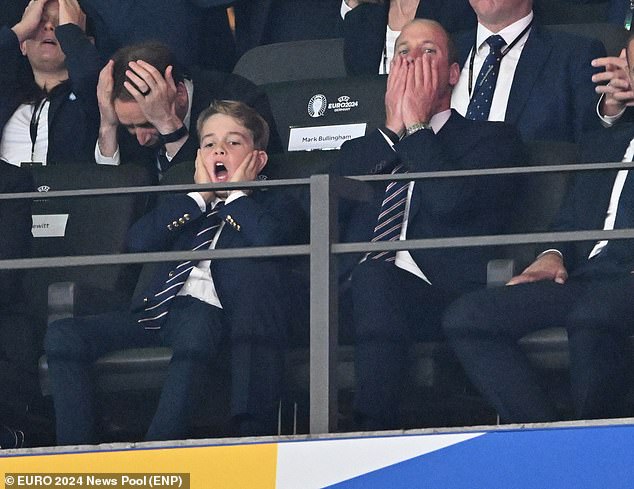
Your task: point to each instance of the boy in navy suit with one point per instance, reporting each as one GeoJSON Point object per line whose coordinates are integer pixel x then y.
{"type": "Point", "coordinates": [193, 306]}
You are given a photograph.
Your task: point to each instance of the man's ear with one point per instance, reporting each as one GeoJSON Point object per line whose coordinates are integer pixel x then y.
{"type": "Point", "coordinates": [262, 159]}
{"type": "Point", "coordinates": [454, 74]}
{"type": "Point", "coordinates": [182, 97]}
{"type": "Point", "coordinates": [23, 47]}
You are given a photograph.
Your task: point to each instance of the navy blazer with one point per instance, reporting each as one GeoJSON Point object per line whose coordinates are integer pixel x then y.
{"type": "Point", "coordinates": [364, 29]}
{"type": "Point", "coordinates": [265, 218]}
{"type": "Point", "coordinates": [439, 207]}
{"type": "Point", "coordinates": [552, 96]}
{"type": "Point", "coordinates": [586, 203]}
{"type": "Point", "coordinates": [73, 117]}
{"type": "Point", "coordinates": [208, 86]}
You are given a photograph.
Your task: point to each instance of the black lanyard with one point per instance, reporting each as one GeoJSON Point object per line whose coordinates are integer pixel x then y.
{"type": "Point", "coordinates": [503, 53]}
{"type": "Point", "coordinates": [35, 122]}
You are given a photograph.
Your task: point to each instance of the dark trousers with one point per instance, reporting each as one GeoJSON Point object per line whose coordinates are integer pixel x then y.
{"type": "Point", "coordinates": [598, 312]}
{"type": "Point", "coordinates": [392, 308]}
{"type": "Point", "coordinates": [193, 330]}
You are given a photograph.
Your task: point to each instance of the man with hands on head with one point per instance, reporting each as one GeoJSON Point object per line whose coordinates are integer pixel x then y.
{"type": "Point", "coordinates": [149, 105]}
{"type": "Point", "coordinates": [194, 307]}
{"type": "Point", "coordinates": [48, 105]}
{"type": "Point", "coordinates": [399, 297]}
{"type": "Point", "coordinates": [586, 287]}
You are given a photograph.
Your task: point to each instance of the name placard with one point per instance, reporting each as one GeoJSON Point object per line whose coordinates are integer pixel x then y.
{"type": "Point", "coordinates": [49, 225]}
{"type": "Point", "coordinates": [323, 137]}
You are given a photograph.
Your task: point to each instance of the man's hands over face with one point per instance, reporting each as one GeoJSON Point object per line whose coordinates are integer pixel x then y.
{"type": "Point", "coordinates": [71, 13]}
{"type": "Point", "coordinates": [549, 266]}
{"type": "Point", "coordinates": [618, 92]}
{"type": "Point", "coordinates": [155, 94]}
{"type": "Point", "coordinates": [412, 91]}
{"type": "Point", "coordinates": [30, 21]}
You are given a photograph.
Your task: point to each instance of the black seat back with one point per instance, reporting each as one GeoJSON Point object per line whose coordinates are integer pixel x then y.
{"type": "Point", "coordinates": [293, 60]}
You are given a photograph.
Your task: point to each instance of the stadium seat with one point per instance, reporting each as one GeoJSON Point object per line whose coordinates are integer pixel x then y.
{"type": "Point", "coordinates": [570, 12]}
{"type": "Point", "coordinates": [612, 36]}
{"type": "Point", "coordinates": [316, 106]}
{"type": "Point", "coordinates": [293, 60]}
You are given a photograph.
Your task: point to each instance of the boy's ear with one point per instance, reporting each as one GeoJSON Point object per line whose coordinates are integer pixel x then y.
{"type": "Point", "coordinates": [262, 159]}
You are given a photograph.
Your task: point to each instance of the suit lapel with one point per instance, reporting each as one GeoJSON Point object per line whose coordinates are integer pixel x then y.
{"type": "Point", "coordinates": [530, 67]}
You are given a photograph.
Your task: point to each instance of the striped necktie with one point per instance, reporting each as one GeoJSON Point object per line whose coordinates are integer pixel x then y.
{"type": "Point", "coordinates": [157, 307]}
{"type": "Point", "coordinates": [390, 221]}
{"type": "Point", "coordinates": [482, 96]}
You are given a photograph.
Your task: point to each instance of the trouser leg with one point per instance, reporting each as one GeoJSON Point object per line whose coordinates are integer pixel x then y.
{"type": "Point", "coordinates": [391, 307]}
{"type": "Point", "coordinates": [194, 331]}
{"type": "Point", "coordinates": [598, 327]}
{"type": "Point", "coordinates": [484, 328]}
{"type": "Point", "coordinates": [72, 345]}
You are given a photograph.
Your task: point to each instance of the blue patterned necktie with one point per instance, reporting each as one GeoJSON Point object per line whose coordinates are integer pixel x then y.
{"type": "Point", "coordinates": [157, 307]}
{"type": "Point", "coordinates": [390, 221]}
{"type": "Point", "coordinates": [480, 103]}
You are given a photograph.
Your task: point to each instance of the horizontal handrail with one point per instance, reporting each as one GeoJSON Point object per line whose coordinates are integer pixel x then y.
{"type": "Point", "coordinates": [516, 170]}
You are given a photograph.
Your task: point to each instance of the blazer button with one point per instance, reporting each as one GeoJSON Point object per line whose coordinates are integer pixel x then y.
{"type": "Point", "coordinates": [181, 220]}
{"type": "Point", "coordinates": [171, 274]}
{"type": "Point", "coordinates": [187, 217]}
{"type": "Point", "coordinates": [145, 300]}
{"type": "Point", "coordinates": [175, 224]}
{"type": "Point", "coordinates": [169, 226]}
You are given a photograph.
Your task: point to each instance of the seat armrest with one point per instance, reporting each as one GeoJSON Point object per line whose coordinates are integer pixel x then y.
{"type": "Point", "coordinates": [69, 299]}
{"type": "Point", "coordinates": [499, 272]}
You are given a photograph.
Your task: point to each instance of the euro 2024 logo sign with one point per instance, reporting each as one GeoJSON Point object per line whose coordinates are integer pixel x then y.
{"type": "Point", "coordinates": [317, 105]}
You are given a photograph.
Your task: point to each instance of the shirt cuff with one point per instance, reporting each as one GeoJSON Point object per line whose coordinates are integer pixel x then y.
{"type": "Point", "coordinates": [344, 9]}
{"type": "Point", "coordinates": [551, 250]}
{"type": "Point", "coordinates": [608, 120]}
{"type": "Point", "coordinates": [113, 160]}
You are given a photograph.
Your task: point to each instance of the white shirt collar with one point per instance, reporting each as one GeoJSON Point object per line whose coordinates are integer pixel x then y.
{"type": "Point", "coordinates": [438, 120]}
{"type": "Point", "coordinates": [509, 33]}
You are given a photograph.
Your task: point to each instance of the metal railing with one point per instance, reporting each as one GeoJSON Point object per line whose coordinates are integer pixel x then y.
{"type": "Point", "coordinates": [323, 248]}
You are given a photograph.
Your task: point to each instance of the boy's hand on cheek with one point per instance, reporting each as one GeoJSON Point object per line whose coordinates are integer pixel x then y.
{"type": "Point", "coordinates": [202, 176]}
{"type": "Point", "coordinates": [246, 172]}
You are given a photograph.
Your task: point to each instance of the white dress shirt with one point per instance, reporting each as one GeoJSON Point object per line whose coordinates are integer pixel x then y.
{"type": "Point", "coordinates": [404, 258]}
{"type": "Point", "coordinates": [610, 217]}
{"type": "Point", "coordinates": [461, 96]}
{"type": "Point", "coordinates": [115, 159]}
{"type": "Point", "coordinates": [15, 145]}
{"type": "Point", "coordinates": [200, 283]}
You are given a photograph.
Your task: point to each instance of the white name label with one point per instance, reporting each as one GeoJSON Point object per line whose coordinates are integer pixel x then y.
{"type": "Point", "coordinates": [49, 225]}
{"type": "Point", "coordinates": [323, 137]}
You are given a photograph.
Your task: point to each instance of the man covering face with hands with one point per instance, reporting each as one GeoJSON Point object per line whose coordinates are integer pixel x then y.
{"type": "Point", "coordinates": [398, 297]}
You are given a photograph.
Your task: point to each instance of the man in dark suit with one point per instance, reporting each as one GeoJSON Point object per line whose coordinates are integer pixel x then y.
{"type": "Point", "coordinates": [585, 287]}
{"type": "Point", "coordinates": [149, 106]}
{"type": "Point", "coordinates": [270, 21]}
{"type": "Point", "coordinates": [542, 82]}
{"type": "Point", "coordinates": [48, 103]}
{"type": "Point", "coordinates": [18, 347]}
{"type": "Point", "coordinates": [364, 29]}
{"type": "Point", "coordinates": [197, 32]}
{"type": "Point", "coordinates": [399, 297]}
{"type": "Point", "coordinates": [194, 307]}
